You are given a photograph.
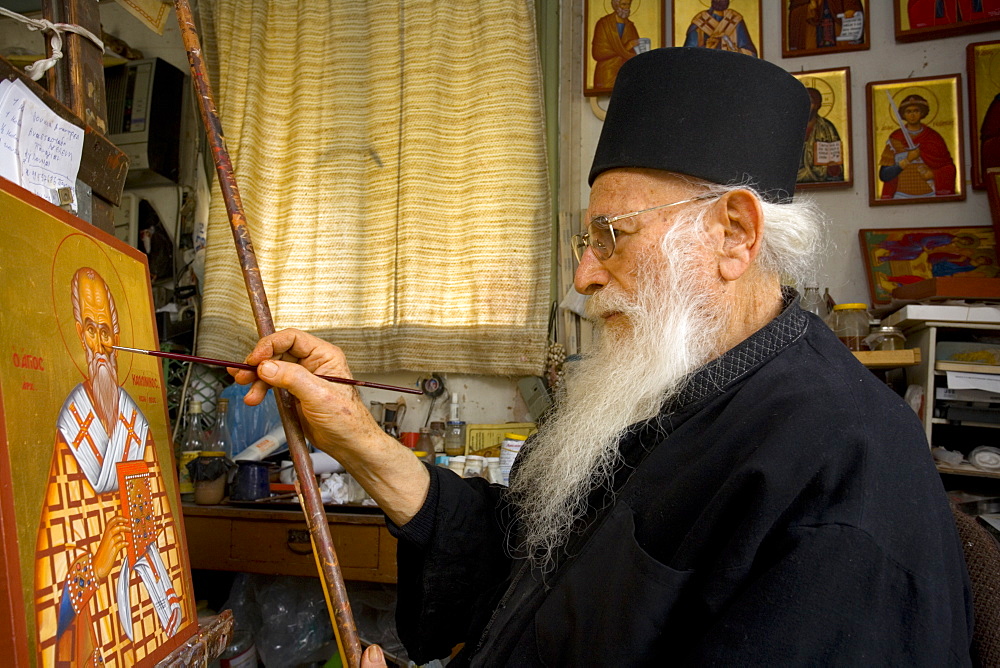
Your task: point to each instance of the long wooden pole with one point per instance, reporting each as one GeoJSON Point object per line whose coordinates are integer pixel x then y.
{"type": "Point", "coordinates": [313, 507]}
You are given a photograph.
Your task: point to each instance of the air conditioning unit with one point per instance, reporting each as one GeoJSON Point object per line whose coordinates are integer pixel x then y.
{"type": "Point", "coordinates": [127, 219]}
{"type": "Point", "coordinates": [144, 116]}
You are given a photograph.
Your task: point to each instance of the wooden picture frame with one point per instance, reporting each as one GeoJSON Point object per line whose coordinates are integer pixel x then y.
{"type": "Point", "coordinates": [605, 50]}
{"type": "Point", "coordinates": [924, 164]}
{"type": "Point", "coordinates": [743, 31]}
{"type": "Point", "coordinates": [993, 193]}
{"type": "Point", "coordinates": [904, 256]}
{"type": "Point", "coordinates": [983, 71]}
{"type": "Point", "coordinates": [827, 154]}
{"type": "Point", "coordinates": [70, 588]}
{"type": "Point", "coordinates": [917, 20]}
{"type": "Point", "coordinates": [804, 34]}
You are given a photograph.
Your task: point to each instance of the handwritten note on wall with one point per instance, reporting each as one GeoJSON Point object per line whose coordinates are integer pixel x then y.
{"type": "Point", "coordinates": [38, 150]}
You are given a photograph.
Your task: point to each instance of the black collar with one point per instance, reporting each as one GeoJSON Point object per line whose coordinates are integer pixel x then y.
{"type": "Point", "coordinates": [715, 377]}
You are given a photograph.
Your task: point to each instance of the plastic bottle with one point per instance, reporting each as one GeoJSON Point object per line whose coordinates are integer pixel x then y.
{"type": "Point", "coordinates": [493, 473]}
{"type": "Point", "coordinates": [457, 464]}
{"type": "Point", "coordinates": [191, 448]}
{"type": "Point", "coordinates": [509, 448]}
{"type": "Point", "coordinates": [241, 652]}
{"type": "Point", "coordinates": [221, 440]}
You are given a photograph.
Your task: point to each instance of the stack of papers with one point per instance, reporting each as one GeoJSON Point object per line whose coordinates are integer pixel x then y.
{"type": "Point", "coordinates": [39, 151]}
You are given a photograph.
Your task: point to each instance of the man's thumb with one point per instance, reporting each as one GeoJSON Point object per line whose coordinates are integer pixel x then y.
{"type": "Point", "coordinates": [267, 370]}
{"type": "Point", "coordinates": [372, 657]}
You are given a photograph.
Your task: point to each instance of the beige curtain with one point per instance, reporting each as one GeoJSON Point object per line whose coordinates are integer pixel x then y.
{"type": "Point", "coordinates": [391, 161]}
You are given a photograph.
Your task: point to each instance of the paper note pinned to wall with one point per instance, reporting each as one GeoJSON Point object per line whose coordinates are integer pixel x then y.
{"type": "Point", "coordinates": [10, 119]}
{"type": "Point", "coordinates": [38, 149]}
{"type": "Point", "coordinates": [49, 150]}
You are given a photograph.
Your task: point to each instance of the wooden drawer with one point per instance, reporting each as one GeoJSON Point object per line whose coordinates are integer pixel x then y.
{"type": "Point", "coordinates": [278, 543]}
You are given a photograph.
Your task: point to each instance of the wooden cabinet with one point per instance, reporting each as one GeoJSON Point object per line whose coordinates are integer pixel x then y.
{"type": "Point", "coordinates": [276, 542]}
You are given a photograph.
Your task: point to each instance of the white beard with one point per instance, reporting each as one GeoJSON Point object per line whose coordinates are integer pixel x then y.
{"type": "Point", "coordinates": [673, 327]}
{"type": "Point", "coordinates": [104, 387]}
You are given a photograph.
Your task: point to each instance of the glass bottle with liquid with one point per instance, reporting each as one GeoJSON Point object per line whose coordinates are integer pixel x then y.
{"type": "Point", "coordinates": [813, 302]}
{"type": "Point", "coordinates": [454, 435]}
{"type": "Point", "coordinates": [221, 440]}
{"type": "Point", "coordinates": [192, 446]}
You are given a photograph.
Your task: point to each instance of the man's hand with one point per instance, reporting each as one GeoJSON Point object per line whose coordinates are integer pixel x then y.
{"type": "Point", "coordinates": [336, 420]}
{"type": "Point", "coordinates": [112, 542]}
{"type": "Point", "coordinates": [333, 414]}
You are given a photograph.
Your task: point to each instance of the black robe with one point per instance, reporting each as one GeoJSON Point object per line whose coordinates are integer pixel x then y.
{"type": "Point", "coordinates": [783, 510]}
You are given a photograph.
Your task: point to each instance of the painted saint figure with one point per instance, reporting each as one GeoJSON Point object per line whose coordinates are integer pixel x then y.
{"type": "Point", "coordinates": [925, 13]}
{"type": "Point", "coordinates": [95, 604]}
{"type": "Point", "coordinates": [720, 28]}
{"type": "Point", "coordinates": [917, 163]}
{"type": "Point", "coordinates": [822, 153]}
{"type": "Point", "coordinates": [615, 39]}
{"type": "Point", "coordinates": [817, 24]}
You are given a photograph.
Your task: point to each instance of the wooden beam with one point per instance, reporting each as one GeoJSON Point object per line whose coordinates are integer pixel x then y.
{"type": "Point", "coordinates": [77, 81]}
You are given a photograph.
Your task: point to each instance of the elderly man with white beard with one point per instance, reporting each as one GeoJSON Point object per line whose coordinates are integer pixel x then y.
{"type": "Point", "coordinates": [722, 482]}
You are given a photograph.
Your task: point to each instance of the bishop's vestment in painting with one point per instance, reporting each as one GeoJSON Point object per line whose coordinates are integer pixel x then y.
{"type": "Point", "coordinates": [80, 620]}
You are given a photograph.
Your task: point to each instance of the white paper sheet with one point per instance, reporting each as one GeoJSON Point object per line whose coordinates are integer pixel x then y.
{"type": "Point", "coordinates": [49, 149]}
{"type": "Point", "coordinates": [11, 103]}
{"type": "Point", "coordinates": [963, 380]}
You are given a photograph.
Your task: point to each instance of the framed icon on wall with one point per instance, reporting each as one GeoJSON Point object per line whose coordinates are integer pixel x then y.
{"type": "Point", "coordinates": [983, 71]}
{"type": "Point", "coordinates": [932, 19]}
{"type": "Point", "coordinates": [729, 25]}
{"type": "Point", "coordinates": [811, 28]}
{"type": "Point", "coordinates": [915, 140]}
{"type": "Point", "coordinates": [895, 257]}
{"type": "Point", "coordinates": [616, 31]}
{"type": "Point", "coordinates": [827, 152]}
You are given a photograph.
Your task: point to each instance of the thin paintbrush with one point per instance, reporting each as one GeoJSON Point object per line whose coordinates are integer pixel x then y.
{"type": "Point", "coordinates": [240, 365]}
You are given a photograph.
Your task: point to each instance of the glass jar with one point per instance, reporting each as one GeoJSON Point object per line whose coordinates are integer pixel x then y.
{"type": "Point", "coordinates": [850, 323]}
{"type": "Point", "coordinates": [886, 338]}
{"type": "Point", "coordinates": [454, 438]}
{"type": "Point", "coordinates": [475, 466]}
{"type": "Point", "coordinates": [437, 436]}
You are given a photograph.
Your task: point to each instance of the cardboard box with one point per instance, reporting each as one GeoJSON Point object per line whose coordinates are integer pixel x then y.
{"type": "Point", "coordinates": [479, 437]}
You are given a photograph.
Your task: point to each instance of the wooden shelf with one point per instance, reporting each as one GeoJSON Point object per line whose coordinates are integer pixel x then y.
{"type": "Point", "coordinates": [965, 423]}
{"type": "Point", "coordinates": [888, 359]}
{"type": "Point", "coordinates": [966, 367]}
{"type": "Point", "coordinates": [967, 469]}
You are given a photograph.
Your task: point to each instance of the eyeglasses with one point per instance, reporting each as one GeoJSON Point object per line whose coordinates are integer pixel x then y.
{"type": "Point", "coordinates": [600, 234]}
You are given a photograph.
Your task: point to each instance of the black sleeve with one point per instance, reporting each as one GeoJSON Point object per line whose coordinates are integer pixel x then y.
{"type": "Point", "coordinates": [452, 563]}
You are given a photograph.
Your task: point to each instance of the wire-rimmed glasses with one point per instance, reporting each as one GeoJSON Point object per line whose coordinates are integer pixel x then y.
{"type": "Point", "coordinates": [600, 234]}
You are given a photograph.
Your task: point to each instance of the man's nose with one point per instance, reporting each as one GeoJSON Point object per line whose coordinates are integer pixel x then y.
{"type": "Point", "coordinates": [591, 275]}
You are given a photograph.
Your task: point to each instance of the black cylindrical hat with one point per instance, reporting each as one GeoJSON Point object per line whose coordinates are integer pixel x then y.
{"type": "Point", "coordinates": [715, 115]}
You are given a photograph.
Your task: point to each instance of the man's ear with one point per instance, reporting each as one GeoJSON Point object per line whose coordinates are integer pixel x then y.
{"type": "Point", "coordinates": [742, 222]}
{"type": "Point", "coordinates": [79, 331]}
